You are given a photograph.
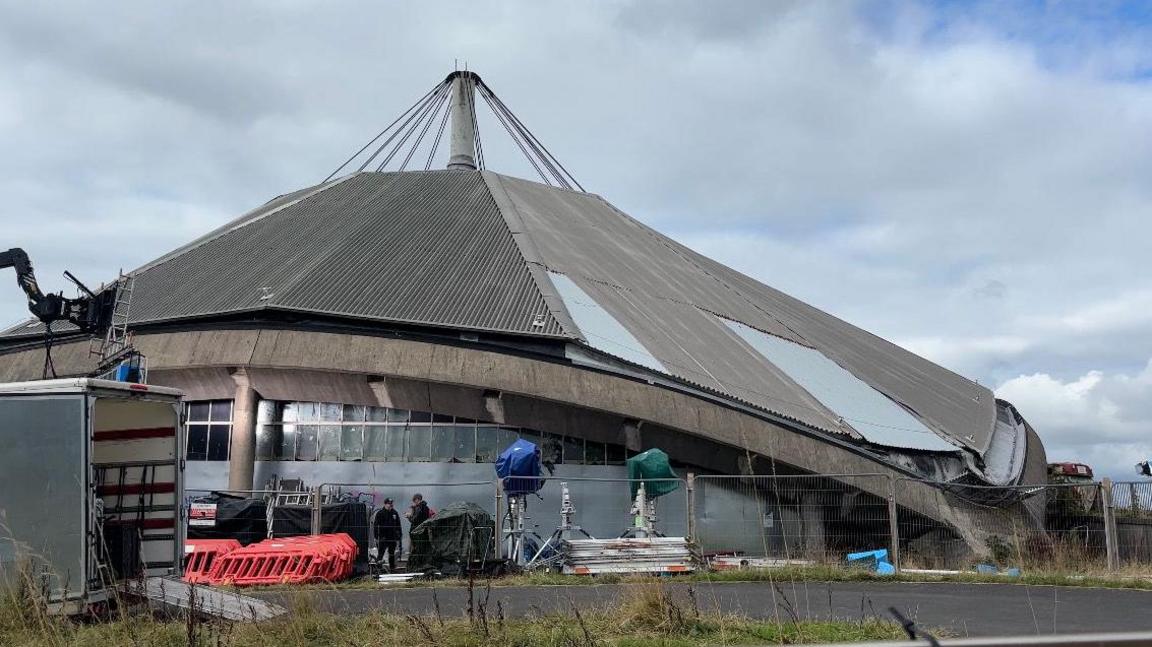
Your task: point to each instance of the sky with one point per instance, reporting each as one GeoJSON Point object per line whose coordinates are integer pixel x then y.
{"type": "Point", "coordinates": [970, 180]}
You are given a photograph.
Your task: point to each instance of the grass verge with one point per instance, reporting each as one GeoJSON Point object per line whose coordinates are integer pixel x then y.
{"type": "Point", "coordinates": [650, 618]}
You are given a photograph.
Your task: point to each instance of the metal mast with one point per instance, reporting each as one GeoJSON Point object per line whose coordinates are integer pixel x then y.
{"type": "Point", "coordinates": [454, 98]}
{"type": "Point", "coordinates": [462, 155]}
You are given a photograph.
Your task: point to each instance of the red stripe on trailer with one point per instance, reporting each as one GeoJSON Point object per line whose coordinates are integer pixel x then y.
{"type": "Point", "coordinates": [136, 488]}
{"type": "Point", "coordinates": [134, 434]}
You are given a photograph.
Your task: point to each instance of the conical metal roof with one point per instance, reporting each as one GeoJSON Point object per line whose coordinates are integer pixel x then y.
{"type": "Point", "coordinates": [480, 251]}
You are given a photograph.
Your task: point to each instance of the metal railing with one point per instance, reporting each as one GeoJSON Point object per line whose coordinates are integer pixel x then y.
{"type": "Point", "coordinates": [1074, 528]}
{"type": "Point", "coordinates": [797, 519]}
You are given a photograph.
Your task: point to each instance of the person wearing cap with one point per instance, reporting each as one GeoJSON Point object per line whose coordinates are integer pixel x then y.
{"type": "Point", "coordinates": [388, 533]}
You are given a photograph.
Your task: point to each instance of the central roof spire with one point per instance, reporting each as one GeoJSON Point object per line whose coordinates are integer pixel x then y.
{"type": "Point", "coordinates": [402, 142]}
{"type": "Point", "coordinates": [462, 153]}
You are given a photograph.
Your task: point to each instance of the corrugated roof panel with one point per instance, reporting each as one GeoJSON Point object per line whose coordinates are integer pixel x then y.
{"type": "Point", "coordinates": [427, 248]}
{"type": "Point", "coordinates": [878, 419]}
{"type": "Point", "coordinates": [600, 329]}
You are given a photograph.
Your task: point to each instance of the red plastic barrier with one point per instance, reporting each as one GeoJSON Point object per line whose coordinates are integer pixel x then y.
{"type": "Point", "coordinates": [201, 554]}
{"type": "Point", "coordinates": [289, 560]}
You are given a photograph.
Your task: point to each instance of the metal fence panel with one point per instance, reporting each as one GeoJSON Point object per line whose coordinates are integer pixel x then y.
{"type": "Point", "coordinates": [1132, 509]}
{"type": "Point", "coordinates": [1074, 528]}
{"type": "Point", "coordinates": [1045, 527]}
{"type": "Point", "coordinates": [435, 494]}
{"type": "Point", "coordinates": [794, 518]}
{"type": "Point", "coordinates": [603, 506]}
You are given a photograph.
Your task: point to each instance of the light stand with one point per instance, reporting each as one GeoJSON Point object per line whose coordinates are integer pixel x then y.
{"type": "Point", "coordinates": [563, 531]}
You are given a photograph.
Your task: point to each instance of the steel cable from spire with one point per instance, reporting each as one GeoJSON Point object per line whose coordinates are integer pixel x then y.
{"type": "Point", "coordinates": [411, 128]}
{"type": "Point", "coordinates": [408, 134]}
{"type": "Point", "coordinates": [540, 145]}
{"type": "Point", "coordinates": [400, 129]}
{"type": "Point", "coordinates": [537, 141]}
{"type": "Point", "coordinates": [436, 142]}
{"type": "Point", "coordinates": [427, 125]}
{"type": "Point", "coordinates": [541, 154]}
{"type": "Point", "coordinates": [532, 151]}
{"type": "Point", "coordinates": [518, 135]}
{"type": "Point", "coordinates": [382, 132]}
{"type": "Point", "coordinates": [512, 134]}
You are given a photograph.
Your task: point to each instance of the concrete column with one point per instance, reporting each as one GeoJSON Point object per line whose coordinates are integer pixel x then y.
{"type": "Point", "coordinates": [242, 460]}
{"type": "Point", "coordinates": [462, 155]}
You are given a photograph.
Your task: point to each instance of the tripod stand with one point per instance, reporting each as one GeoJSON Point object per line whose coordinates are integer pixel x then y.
{"type": "Point", "coordinates": [563, 531]}
{"type": "Point", "coordinates": [518, 539]}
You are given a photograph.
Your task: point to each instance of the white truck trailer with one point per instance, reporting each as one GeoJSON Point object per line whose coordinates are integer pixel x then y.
{"type": "Point", "coordinates": [91, 486]}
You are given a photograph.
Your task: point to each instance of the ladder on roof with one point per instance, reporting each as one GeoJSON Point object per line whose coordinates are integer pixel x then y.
{"type": "Point", "coordinates": [115, 348]}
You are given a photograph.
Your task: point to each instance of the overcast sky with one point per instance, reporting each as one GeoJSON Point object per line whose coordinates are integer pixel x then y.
{"type": "Point", "coordinates": [973, 182]}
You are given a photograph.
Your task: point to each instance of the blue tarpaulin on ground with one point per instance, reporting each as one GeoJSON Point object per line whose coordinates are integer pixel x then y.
{"type": "Point", "coordinates": [519, 467]}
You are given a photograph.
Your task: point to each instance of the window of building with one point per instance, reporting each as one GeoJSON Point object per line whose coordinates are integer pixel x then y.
{"type": "Point", "coordinates": [376, 442]}
{"type": "Point", "coordinates": [397, 441]}
{"type": "Point", "coordinates": [352, 433]}
{"type": "Point", "coordinates": [488, 445]}
{"type": "Point", "coordinates": [328, 439]}
{"type": "Point", "coordinates": [288, 443]}
{"type": "Point", "coordinates": [443, 443]}
{"type": "Point", "coordinates": [551, 448]}
{"type": "Point", "coordinates": [465, 437]}
{"type": "Point", "coordinates": [306, 437]}
{"type": "Point", "coordinates": [327, 431]}
{"type": "Point", "coordinates": [269, 437]}
{"type": "Point", "coordinates": [593, 453]}
{"type": "Point", "coordinates": [419, 447]}
{"type": "Point", "coordinates": [573, 449]}
{"type": "Point", "coordinates": [614, 454]}
{"type": "Point", "coordinates": [208, 429]}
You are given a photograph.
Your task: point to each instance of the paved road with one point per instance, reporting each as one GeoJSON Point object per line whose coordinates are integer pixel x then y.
{"type": "Point", "coordinates": [962, 609]}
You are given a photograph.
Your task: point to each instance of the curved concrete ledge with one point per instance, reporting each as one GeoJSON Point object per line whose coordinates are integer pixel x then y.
{"type": "Point", "coordinates": [551, 381]}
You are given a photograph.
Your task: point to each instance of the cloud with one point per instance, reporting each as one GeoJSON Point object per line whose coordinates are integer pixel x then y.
{"type": "Point", "coordinates": [1103, 419]}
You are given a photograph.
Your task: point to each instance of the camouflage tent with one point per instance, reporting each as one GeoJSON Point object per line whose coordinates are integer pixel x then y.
{"type": "Point", "coordinates": [459, 534]}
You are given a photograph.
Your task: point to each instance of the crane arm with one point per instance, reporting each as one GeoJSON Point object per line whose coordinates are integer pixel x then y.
{"type": "Point", "coordinates": [25, 277]}
{"type": "Point", "coordinates": [91, 313]}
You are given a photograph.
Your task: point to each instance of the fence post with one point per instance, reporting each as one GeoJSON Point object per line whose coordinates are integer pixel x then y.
{"type": "Point", "coordinates": [317, 507]}
{"type": "Point", "coordinates": [893, 525]}
{"type": "Point", "coordinates": [1109, 524]}
{"type": "Point", "coordinates": [498, 518]}
{"type": "Point", "coordinates": [690, 496]}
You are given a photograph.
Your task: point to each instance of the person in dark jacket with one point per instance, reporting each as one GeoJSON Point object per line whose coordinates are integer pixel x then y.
{"type": "Point", "coordinates": [417, 514]}
{"type": "Point", "coordinates": [388, 533]}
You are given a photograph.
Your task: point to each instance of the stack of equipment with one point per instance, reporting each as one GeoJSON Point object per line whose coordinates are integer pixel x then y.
{"type": "Point", "coordinates": [627, 555]}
